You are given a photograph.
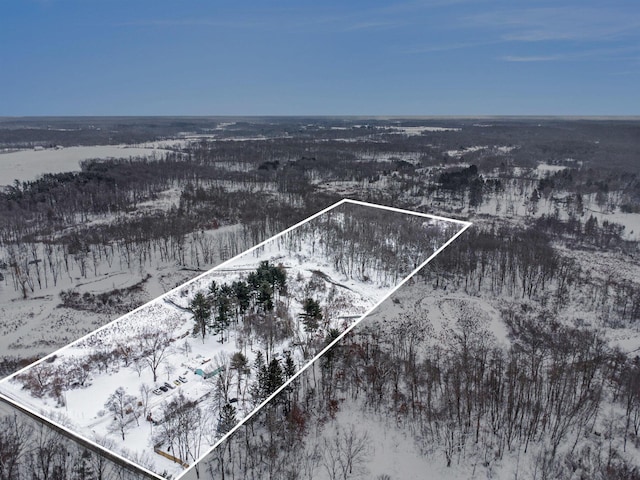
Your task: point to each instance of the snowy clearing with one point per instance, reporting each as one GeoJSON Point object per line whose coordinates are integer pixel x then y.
{"type": "Point", "coordinates": [27, 165]}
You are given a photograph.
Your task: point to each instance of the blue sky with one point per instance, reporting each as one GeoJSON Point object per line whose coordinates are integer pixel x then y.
{"type": "Point", "coordinates": [219, 57]}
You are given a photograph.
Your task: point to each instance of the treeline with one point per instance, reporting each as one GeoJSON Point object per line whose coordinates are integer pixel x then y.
{"type": "Point", "coordinates": [504, 260]}
{"type": "Point", "coordinates": [81, 221]}
{"type": "Point", "coordinates": [118, 300]}
{"type": "Point", "coordinates": [590, 232]}
{"type": "Point", "coordinates": [108, 188]}
{"type": "Point", "coordinates": [371, 244]}
{"type": "Point", "coordinates": [47, 214]}
{"type": "Point", "coordinates": [517, 262]}
{"type": "Point", "coordinates": [69, 131]}
{"type": "Point", "coordinates": [91, 252]}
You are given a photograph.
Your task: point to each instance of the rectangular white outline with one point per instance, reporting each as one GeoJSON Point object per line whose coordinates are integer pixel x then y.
{"type": "Point", "coordinates": [7, 398]}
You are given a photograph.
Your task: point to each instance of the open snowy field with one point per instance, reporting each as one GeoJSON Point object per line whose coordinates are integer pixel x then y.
{"type": "Point", "coordinates": [27, 165]}
{"type": "Point", "coordinates": [124, 385]}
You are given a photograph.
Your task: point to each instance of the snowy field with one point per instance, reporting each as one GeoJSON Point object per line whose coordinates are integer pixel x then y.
{"type": "Point", "coordinates": [39, 324]}
{"type": "Point", "coordinates": [27, 165]}
{"type": "Point", "coordinates": [410, 131]}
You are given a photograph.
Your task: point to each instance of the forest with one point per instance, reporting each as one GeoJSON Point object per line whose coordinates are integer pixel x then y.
{"type": "Point", "coordinates": [251, 311]}
{"type": "Point", "coordinates": [543, 387]}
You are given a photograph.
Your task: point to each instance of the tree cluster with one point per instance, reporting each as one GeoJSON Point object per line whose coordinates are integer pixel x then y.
{"type": "Point", "coordinates": [216, 309]}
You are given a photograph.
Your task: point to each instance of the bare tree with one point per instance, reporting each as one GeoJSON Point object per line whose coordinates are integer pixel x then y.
{"type": "Point", "coordinates": [144, 390]}
{"type": "Point", "coordinates": [15, 438]}
{"type": "Point", "coordinates": [155, 344]}
{"type": "Point", "coordinates": [345, 452]}
{"type": "Point", "coordinates": [122, 406]}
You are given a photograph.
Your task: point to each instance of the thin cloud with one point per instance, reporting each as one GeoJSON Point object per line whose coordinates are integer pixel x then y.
{"type": "Point", "coordinates": [373, 25]}
{"type": "Point", "coordinates": [337, 19]}
{"type": "Point", "coordinates": [192, 22]}
{"type": "Point", "coordinates": [598, 54]}
{"type": "Point", "coordinates": [559, 23]}
{"type": "Point", "coordinates": [450, 46]}
{"type": "Point", "coordinates": [533, 58]}
{"type": "Point", "coordinates": [291, 21]}
{"type": "Point", "coordinates": [418, 5]}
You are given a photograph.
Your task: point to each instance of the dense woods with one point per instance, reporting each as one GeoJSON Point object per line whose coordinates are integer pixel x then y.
{"type": "Point", "coordinates": [73, 223]}
{"type": "Point", "coordinates": [556, 393]}
{"type": "Point", "coordinates": [252, 324]}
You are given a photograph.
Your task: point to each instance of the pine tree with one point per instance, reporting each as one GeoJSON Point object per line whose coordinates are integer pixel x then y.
{"type": "Point", "coordinates": [221, 320]}
{"type": "Point", "coordinates": [213, 288]}
{"type": "Point", "coordinates": [289, 365]}
{"type": "Point", "coordinates": [260, 370]}
{"type": "Point", "coordinates": [242, 295]}
{"type": "Point", "coordinates": [265, 296]}
{"type": "Point", "coordinates": [239, 363]}
{"type": "Point", "coordinates": [289, 371]}
{"type": "Point", "coordinates": [201, 309]}
{"type": "Point", "coordinates": [228, 419]}
{"type": "Point", "coordinates": [276, 277]}
{"type": "Point", "coordinates": [279, 279]}
{"type": "Point", "coordinates": [311, 316]}
{"type": "Point", "coordinates": [274, 377]}
{"type": "Point", "coordinates": [329, 356]}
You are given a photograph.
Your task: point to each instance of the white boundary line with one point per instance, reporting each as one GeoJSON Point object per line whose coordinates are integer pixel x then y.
{"type": "Point", "coordinates": [19, 404]}
{"type": "Point", "coordinates": [407, 212]}
{"type": "Point", "coordinates": [341, 336]}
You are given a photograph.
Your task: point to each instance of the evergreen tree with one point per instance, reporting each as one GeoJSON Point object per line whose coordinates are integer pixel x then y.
{"type": "Point", "coordinates": [265, 296]}
{"type": "Point", "coordinates": [260, 370]}
{"type": "Point", "coordinates": [258, 363]}
{"type": "Point", "coordinates": [228, 419]}
{"type": "Point", "coordinates": [276, 277]}
{"type": "Point", "coordinates": [274, 377]}
{"type": "Point", "coordinates": [221, 320]}
{"type": "Point", "coordinates": [289, 365]}
{"type": "Point", "coordinates": [279, 279]}
{"type": "Point", "coordinates": [201, 310]}
{"type": "Point", "coordinates": [242, 295]}
{"type": "Point", "coordinates": [591, 227]}
{"type": "Point", "coordinates": [213, 288]}
{"type": "Point", "coordinates": [289, 371]}
{"type": "Point", "coordinates": [330, 355]}
{"type": "Point", "coordinates": [239, 363]}
{"type": "Point", "coordinates": [312, 315]}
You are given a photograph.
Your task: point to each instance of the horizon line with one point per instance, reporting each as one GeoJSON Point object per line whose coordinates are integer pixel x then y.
{"type": "Point", "coordinates": [338, 116]}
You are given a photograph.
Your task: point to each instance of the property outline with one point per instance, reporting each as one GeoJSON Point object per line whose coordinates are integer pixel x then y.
{"type": "Point", "coordinates": [113, 455]}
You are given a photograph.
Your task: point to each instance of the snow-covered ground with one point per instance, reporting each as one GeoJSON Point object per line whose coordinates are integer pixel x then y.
{"type": "Point", "coordinates": [462, 151]}
{"type": "Point", "coordinates": [40, 324]}
{"type": "Point", "coordinates": [420, 130]}
{"type": "Point", "coordinates": [26, 165]}
{"type": "Point", "coordinates": [82, 408]}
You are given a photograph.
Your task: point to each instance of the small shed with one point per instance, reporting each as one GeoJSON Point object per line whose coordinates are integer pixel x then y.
{"type": "Point", "coordinates": [205, 372]}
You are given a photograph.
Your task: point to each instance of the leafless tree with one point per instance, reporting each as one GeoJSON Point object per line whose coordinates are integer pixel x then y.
{"type": "Point", "coordinates": [155, 346]}
{"type": "Point", "coordinates": [15, 438]}
{"type": "Point", "coordinates": [121, 406]}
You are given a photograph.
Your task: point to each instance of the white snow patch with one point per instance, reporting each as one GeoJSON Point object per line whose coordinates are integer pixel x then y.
{"type": "Point", "coordinates": [26, 165]}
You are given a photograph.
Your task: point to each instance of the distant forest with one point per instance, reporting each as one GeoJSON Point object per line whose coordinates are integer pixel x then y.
{"type": "Point", "coordinates": [554, 205]}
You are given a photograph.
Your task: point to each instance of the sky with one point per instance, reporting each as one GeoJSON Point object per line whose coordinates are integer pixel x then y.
{"type": "Point", "coordinates": [302, 57]}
